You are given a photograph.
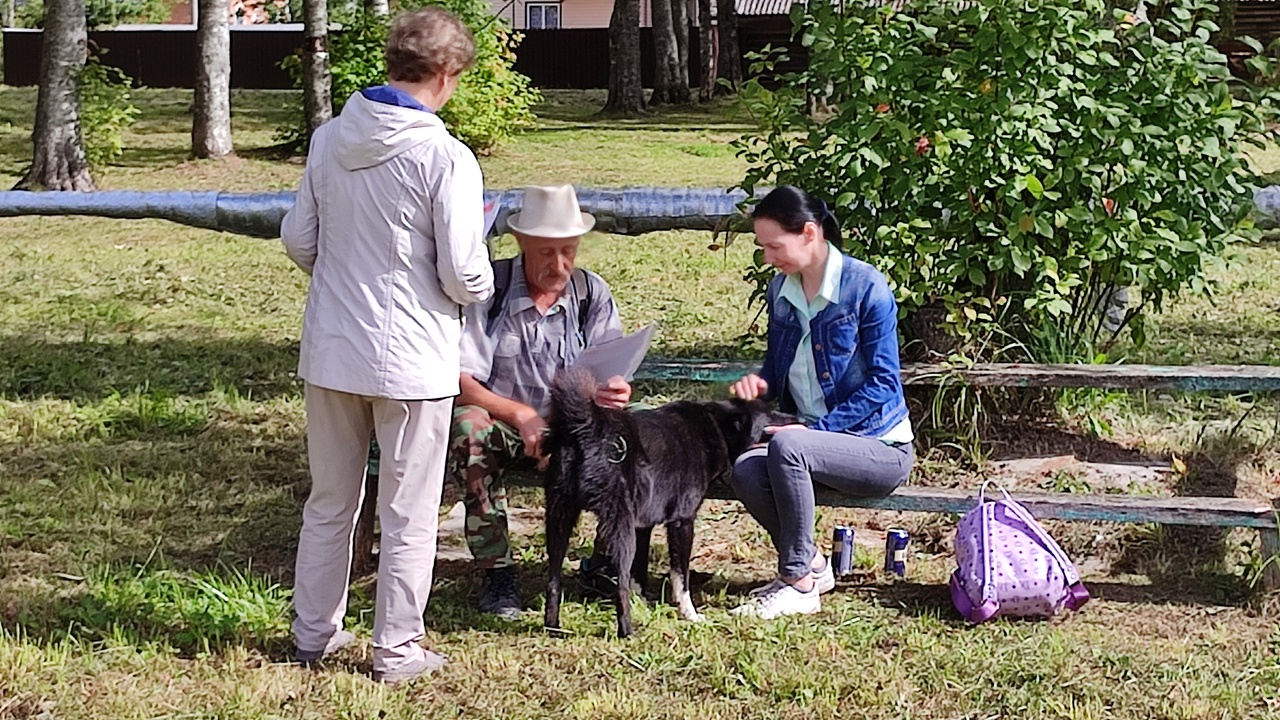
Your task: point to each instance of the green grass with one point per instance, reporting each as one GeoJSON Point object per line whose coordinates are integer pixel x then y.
{"type": "Point", "coordinates": [152, 470]}
{"type": "Point", "coordinates": [687, 148]}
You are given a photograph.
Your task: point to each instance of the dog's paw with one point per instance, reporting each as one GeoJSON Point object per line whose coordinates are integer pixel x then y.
{"type": "Point", "coordinates": [691, 615]}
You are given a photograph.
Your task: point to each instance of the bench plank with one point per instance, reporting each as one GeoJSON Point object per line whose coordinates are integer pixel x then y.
{"type": "Point", "coordinates": [1190, 378]}
{"type": "Point", "coordinates": [1220, 512]}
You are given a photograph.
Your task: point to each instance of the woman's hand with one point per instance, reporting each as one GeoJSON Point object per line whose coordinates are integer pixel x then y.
{"type": "Point", "coordinates": [775, 429]}
{"type": "Point", "coordinates": [749, 387]}
{"type": "Point", "coordinates": [614, 394]}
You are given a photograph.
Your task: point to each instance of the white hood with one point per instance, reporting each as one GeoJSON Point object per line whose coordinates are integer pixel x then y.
{"type": "Point", "coordinates": [369, 133]}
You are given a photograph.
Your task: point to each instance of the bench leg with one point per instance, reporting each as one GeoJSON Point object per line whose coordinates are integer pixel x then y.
{"type": "Point", "coordinates": [1270, 538]}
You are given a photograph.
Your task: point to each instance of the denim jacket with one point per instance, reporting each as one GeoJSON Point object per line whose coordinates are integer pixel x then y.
{"type": "Point", "coordinates": [855, 352]}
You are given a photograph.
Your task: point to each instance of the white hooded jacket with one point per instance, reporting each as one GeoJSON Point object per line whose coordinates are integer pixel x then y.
{"type": "Point", "coordinates": [389, 222]}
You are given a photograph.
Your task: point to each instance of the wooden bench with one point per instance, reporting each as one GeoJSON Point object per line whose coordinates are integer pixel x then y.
{"type": "Point", "coordinates": [1204, 511]}
{"type": "Point", "coordinates": [1185, 378]}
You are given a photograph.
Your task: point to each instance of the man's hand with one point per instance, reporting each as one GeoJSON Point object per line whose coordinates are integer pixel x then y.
{"type": "Point", "coordinates": [749, 387]}
{"type": "Point", "coordinates": [614, 394]}
{"type": "Point", "coordinates": [532, 429]}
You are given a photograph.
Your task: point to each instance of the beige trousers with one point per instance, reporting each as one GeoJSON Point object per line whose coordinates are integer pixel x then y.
{"type": "Point", "coordinates": [414, 437]}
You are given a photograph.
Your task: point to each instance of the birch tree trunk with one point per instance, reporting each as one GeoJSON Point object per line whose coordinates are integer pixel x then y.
{"type": "Point", "coordinates": [730, 60]}
{"type": "Point", "coordinates": [58, 161]}
{"type": "Point", "coordinates": [706, 50]}
{"type": "Point", "coordinates": [680, 18]}
{"type": "Point", "coordinates": [211, 113]}
{"type": "Point", "coordinates": [666, 77]}
{"type": "Point", "coordinates": [316, 100]}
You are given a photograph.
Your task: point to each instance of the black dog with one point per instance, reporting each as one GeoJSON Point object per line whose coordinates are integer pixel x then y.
{"type": "Point", "coordinates": [635, 470]}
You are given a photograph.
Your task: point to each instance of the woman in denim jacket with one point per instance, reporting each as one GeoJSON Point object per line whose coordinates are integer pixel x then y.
{"type": "Point", "coordinates": [832, 359]}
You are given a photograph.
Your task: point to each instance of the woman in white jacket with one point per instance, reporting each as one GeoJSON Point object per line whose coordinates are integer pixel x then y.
{"type": "Point", "coordinates": [389, 223]}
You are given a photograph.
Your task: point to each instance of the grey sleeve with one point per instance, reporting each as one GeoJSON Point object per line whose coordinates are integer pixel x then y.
{"type": "Point", "coordinates": [602, 322]}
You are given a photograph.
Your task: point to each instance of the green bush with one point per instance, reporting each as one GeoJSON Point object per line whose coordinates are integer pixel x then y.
{"type": "Point", "coordinates": [492, 102]}
{"type": "Point", "coordinates": [106, 111]}
{"type": "Point", "coordinates": [1008, 165]}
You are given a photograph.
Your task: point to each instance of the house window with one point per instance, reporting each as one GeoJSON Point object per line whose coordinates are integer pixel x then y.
{"type": "Point", "coordinates": [542, 16]}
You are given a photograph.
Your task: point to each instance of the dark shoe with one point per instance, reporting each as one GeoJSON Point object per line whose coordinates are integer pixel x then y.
{"type": "Point", "coordinates": [500, 593]}
{"type": "Point", "coordinates": [597, 578]}
{"type": "Point", "coordinates": [340, 639]}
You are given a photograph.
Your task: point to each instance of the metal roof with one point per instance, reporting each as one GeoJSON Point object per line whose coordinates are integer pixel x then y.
{"type": "Point", "coordinates": [763, 7]}
{"type": "Point", "coordinates": [783, 7]}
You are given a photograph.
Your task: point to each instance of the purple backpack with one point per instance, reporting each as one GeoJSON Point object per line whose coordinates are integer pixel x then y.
{"type": "Point", "coordinates": [1009, 566]}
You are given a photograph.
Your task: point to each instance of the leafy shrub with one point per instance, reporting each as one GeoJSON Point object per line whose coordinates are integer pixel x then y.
{"type": "Point", "coordinates": [106, 111]}
{"type": "Point", "coordinates": [492, 102]}
{"type": "Point", "coordinates": [1009, 164]}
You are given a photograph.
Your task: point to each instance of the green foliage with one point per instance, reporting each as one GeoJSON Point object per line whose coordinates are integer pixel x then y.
{"type": "Point", "coordinates": [100, 13]}
{"type": "Point", "coordinates": [1008, 164]}
{"type": "Point", "coordinates": [492, 102]}
{"type": "Point", "coordinates": [106, 111]}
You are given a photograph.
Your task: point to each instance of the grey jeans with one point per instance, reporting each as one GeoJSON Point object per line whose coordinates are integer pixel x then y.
{"type": "Point", "coordinates": [776, 482]}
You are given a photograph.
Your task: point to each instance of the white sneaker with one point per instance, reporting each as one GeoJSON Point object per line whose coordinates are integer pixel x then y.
{"type": "Point", "coordinates": [783, 599]}
{"type": "Point", "coordinates": [824, 581]}
{"type": "Point", "coordinates": [765, 589]}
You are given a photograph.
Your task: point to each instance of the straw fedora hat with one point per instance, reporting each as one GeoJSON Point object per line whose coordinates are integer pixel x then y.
{"type": "Point", "coordinates": [550, 212]}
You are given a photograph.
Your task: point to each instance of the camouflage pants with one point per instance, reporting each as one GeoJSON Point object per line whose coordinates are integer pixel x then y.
{"type": "Point", "coordinates": [481, 451]}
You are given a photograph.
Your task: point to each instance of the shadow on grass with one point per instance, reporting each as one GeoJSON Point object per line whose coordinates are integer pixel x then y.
{"type": "Point", "coordinates": [30, 367]}
{"type": "Point", "coordinates": [153, 158]}
{"type": "Point", "coordinates": [184, 539]}
{"type": "Point", "coordinates": [1024, 440]}
{"type": "Point", "coordinates": [1193, 559]}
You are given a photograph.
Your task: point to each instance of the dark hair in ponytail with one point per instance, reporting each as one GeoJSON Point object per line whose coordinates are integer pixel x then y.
{"type": "Point", "coordinates": [791, 207]}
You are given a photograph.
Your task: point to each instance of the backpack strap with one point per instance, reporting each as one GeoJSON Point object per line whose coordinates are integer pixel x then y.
{"type": "Point", "coordinates": [502, 270]}
{"type": "Point", "coordinates": [583, 292]}
{"type": "Point", "coordinates": [990, 603]}
{"type": "Point", "coordinates": [1046, 541]}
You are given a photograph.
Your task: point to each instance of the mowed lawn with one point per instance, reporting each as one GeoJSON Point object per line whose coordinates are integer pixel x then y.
{"type": "Point", "coordinates": [152, 471]}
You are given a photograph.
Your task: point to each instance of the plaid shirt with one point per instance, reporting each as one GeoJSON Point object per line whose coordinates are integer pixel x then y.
{"type": "Point", "coordinates": [519, 358]}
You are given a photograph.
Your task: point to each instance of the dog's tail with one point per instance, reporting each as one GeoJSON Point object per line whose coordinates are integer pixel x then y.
{"type": "Point", "coordinates": [573, 403]}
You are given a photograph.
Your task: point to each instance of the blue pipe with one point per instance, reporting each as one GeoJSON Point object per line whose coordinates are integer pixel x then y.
{"type": "Point", "coordinates": [629, 211]}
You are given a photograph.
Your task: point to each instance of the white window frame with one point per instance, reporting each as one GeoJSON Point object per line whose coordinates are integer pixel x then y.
{"type": "Point", "coordinates": [542, 7]}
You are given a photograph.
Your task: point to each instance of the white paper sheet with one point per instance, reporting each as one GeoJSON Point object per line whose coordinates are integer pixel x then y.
{"type": "Point", "coordinates": [617, 357]}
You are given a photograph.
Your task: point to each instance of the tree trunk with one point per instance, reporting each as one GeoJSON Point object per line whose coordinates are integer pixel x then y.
{"type": "Point", "coordinates": [211, 111]}
{"type": "Point", "coordinates": [316, 100]}
{"type": "Point", "coordinates": [680, 18]}
{"type": "Point", "coordinates": [6, 13]}
{"type": "Point", "coordinates": [626, 94]}
{"type": "Point", "coordinates": [377, 8]}
{"type": "Point", "coordinates": [706, 50]}
{"type": "Point", "coordinates": [58, 161]}
{"type": "Point", "coordinates": [730, 60]}
{"type": "Point", "coordinates": [666, 57]}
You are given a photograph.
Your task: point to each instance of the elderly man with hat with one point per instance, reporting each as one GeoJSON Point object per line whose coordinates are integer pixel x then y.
{"type": "Point", "coordinates": [543, 313]}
